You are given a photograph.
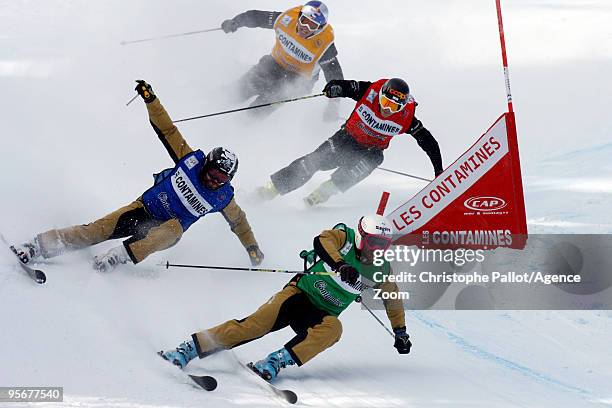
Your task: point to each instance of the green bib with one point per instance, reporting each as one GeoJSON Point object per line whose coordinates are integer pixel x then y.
{"type": "Point", "coordinates": [329, 293]}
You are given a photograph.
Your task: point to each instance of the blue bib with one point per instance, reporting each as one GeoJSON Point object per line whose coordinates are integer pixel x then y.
{"type": "Point", "coordinates": [178, 193]}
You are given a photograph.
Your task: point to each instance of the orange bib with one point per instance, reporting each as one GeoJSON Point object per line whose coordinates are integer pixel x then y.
{"type": "Point", "coordinates": [295, 53]}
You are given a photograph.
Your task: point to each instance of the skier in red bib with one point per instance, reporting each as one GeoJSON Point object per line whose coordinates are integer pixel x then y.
{"type": "Point", "coordinates": [384, 109]}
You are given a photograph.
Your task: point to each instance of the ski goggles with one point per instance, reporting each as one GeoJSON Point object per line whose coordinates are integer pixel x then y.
{"type": "Point", "coordinates": [390, 104]}
{"type": "Point", "coordinates": [374, 242]}
{"type": "Point", "coordinates": [312, 25]}
{"type": "Point", "coordinates": [216, 177]}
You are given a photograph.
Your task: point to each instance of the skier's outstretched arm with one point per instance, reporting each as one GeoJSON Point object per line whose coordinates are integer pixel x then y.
{"type": "Point", "coordinates": [237, 220]}
{"type": "Point", "coordinates": [428, 143]}
{"type": "Point", "coordinates": [251, 19]}
{"type": "Point", "coordinates": [341, 88]}
{"type": "Point", "coordinates": [168, 134]}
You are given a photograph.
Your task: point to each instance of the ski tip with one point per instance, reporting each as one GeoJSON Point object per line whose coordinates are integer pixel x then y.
{"type": "Point", "coordinates": [40, 276]}
{"type": "Point", "coordinates": [290, 396]}
{"type": "Point", "coordinates": [205, 381]}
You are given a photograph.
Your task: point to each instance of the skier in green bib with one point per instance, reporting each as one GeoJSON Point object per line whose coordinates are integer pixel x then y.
{"type": "Point", "coordinates": [341, 266]}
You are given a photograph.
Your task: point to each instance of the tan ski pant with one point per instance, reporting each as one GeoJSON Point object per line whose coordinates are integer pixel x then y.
{"type": "Point", "coordinates": [315, 329]}
{"type": "Point", "coordinates": [147, 234]}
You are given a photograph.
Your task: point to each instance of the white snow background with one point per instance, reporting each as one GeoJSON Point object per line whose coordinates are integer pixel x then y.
{"type": "Point", "coordinates": [72, 151]}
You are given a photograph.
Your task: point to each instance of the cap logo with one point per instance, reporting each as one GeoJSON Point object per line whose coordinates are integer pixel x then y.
{"type": "Point", "coordinates": [315, 11]}
{"type": "Point", "coordinates": [397, 93]}
{"type": "Point", "coordinates": [383, 229]}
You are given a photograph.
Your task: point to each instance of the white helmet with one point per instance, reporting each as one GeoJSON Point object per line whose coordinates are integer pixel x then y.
{"type": "Point", "coordinates": [373, 232]}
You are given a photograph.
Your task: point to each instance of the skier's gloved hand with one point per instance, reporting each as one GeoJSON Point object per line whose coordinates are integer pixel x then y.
{"type": "Point", "coordinates": [145, 91]}
{"type": "Point", "coordinates": [333, 89]}
{"type": "Point", "coordinates": [255, 254]}
{"type": "Point", "coordinates": [347, 273]}
{"type": "Point", "coordinates": [229, 26]}
{"type": "Point", "coordinates": [402, 340]}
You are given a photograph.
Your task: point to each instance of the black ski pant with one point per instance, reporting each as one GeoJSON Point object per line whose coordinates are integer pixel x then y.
{"type": "Point", "coordinates": [270, 82]}
{"type": "Point", "coordinates": [353, 162]}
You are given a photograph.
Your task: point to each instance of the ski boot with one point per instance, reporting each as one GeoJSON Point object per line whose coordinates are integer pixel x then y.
{"type": "Point", "coordinates": [265, 193]}
{"type": "Point", "coordinates": [183, 354]}
{"type": "Point", "coordinates": [321, 194]}
{"type": "Point", "coordinates": [269, 367]}
{"type": "Point", "coordinates": [27, 251]}
{"type": "Point", "coordinates": [109, 261]}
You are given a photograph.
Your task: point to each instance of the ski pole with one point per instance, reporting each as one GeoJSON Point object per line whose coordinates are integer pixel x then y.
{"type": "Point", "coordinates": [248, 107]}
{"type": "Point", "coordinates": [232, 268]}
{"type": "Point", "coordinates": [170, 36]}
{"type": "Point", "coordinates": [131, 100]}
{"type": "Point", "coordinates": [403, 174]}
{"type": "Point", "coordinates": [376, 317]}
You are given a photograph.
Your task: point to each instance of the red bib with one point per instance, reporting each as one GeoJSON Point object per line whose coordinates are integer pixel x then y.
{"type": "Point", "coordinates": [369, 128]}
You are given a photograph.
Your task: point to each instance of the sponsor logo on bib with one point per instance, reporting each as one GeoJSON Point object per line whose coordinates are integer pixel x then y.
{"type": "Point", "coordinates": [325, 294]}
{"type": "Point", "coordinates": [285, 20]}
{"type": "Point", "coordinates": [294, 48]}
{"type": "Point", "coordinates": [163, 197]}
{"type": "Point", "coordinates": [384, 127]}
{"type": "Point", "coordinates": [189, 196]}
{"type": "Point", "coordinates": [191, 162]}
{"type": "Point", "coordinates": [371, 96]}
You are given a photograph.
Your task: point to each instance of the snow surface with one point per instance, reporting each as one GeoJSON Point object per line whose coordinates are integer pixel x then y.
{"type": "Point", "coordinates": [72, 151]}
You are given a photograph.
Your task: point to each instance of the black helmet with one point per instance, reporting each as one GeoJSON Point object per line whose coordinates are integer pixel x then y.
{"type": "Point", "coordinates": [394, 94]}
{"type": "Point", "coordinates": [220, 167]}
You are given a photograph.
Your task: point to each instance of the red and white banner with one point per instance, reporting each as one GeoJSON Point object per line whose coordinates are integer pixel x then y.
{"type": "Point", "coordinates": [477, 202]}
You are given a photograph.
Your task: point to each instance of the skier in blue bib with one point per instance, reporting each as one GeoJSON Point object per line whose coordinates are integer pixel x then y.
{"type": "Point", "coordinates": [197, 185]}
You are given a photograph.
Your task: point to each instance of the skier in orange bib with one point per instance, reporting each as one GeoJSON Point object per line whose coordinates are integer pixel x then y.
{"type": "Point", "coordinates": [304, 46]}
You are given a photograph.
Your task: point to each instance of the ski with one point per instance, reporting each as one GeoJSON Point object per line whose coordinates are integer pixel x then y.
{"type": "Point", "coordinates": [288, 395]}
{"type": "Point", "coordinates": [206, 382]}
{"type": "Point", "coordinates": [36, 274]}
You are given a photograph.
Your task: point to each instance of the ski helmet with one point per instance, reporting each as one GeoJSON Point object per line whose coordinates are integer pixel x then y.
{"type": "Point", "coordinates": [394, 95]}
{"type": "Point", "coordinates": [314, 14]}
{"type": "Point", "coordinates": [220, 167]}
{"type": "Point", "coordinates": [373, 232]}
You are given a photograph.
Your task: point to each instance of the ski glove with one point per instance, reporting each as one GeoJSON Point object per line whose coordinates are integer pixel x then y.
{"type": "Point", "coordinates": [255, 254]}
{"type": "Point", "coordinates": [229, 26]}
{"type": "Point", "coordinates": [402, 340]}
{"type": "Point", "coordinates": [347, 273]}
{"type": "Point", "coordinates": [145, 91]}
{"type": "Point", "coordinates": [333, 89]}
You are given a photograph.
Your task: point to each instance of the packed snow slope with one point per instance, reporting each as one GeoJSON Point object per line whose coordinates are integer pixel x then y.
{"type": "Point", "coordinates": [72, 151]}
